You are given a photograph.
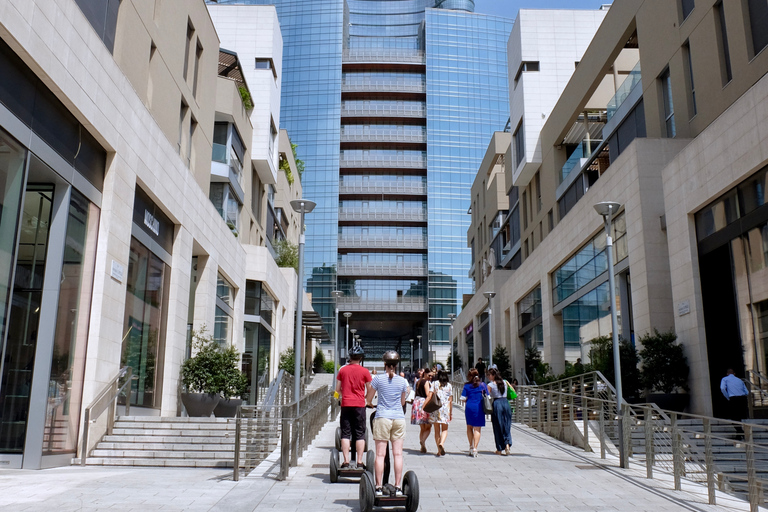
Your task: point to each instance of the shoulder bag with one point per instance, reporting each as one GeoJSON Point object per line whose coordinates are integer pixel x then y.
{"type": "Point", "coordinates": [511, 393]}
{"type": "Point", "coordinates": [487, 403]}
{"type": "Point", "coordinates": [434, 403]}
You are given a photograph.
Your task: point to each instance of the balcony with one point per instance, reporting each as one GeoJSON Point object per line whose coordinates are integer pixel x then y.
{"type": "Point", "coordinates": [400, 304]}
{"type": "Point", "coordinates": [393, 56]}
{"type": "Point", "coordinates": [409, 111]}
{"type": "Point", "coordinates": [382, 269]}
{"type": "Point", "coordinates": [579, 157]}
{"type": "Point", "coordinates": [413, 137]}
{"type": "Point", "coordinates": [384, 85]}
{"type": "Point", "coordinates": [385, 162]}
{"type": "Point", "coordinates": [622, 93]}
{"type": "Point", "coordinates": [366, 214]}
{"type": "Point", "coordinates": [384, 187]}
{"type": "Point", "coordinates": [382, 242]}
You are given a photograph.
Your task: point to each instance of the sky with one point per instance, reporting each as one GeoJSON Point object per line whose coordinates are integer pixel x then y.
{"type": "Point", "coordinates": [509, 8]}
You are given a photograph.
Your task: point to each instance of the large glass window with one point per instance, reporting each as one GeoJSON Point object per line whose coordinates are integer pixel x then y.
{"type": "Point", "coordinates": [24, 318]}
{"type": "Point", "coordinates": [225, 300]}
{"type": "Point", "coordinates": [256, 360]}
{"type": "Point", "coordinates": [65, 386]}
{"type": "Point", "coordinates": [529, 308]}
{"type": "Point", "coordinates": [146, 309]}
{"type": "Point", "coordinates": [758, 23]}
{"type": "Point", "coordinates": [585, 319]}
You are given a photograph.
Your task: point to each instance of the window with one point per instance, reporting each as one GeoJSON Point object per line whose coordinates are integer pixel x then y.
{"type": "Point", "coordinates": [190, 147]}
{"type": "Point", "coordinates": [224, 199]}
{"type": "Point", "coordinates": [529, 309]}
{"type": "Point", "coordinates": [188, 48]}
{"type": "Point", "coordinates": [669, 109]}
{"type": "Point", "coordinates": [525, 210]}
{"type": "Point", "coordinates": [758, 24]}
{"type": "Point", "coordinates": [526, 66]}
{"type": "Point", "coordinates": [686, 7]}
{"type": "Point", "coordinates": [689, 73]}
{"type": "Point", "coordinates": [182, 117]}
{"type": "Point", "coordinates": [266, 63]}
{"type": "Point", "coordinates": [551, 220]}
{"type": "Point", "coordinates": [537, 181]}
{"type": "Point", "coordinates": [519, 137]}
{"type": "Point", "coordinates": [256, 189]}
{"type": "Point", "coordinates": [198, 58]}
{"type": "Point", "coordinates": [225, 299]}
{"type": "Point", "coordinates": [722, 43]}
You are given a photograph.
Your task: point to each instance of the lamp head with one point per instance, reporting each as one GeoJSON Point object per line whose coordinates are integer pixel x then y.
{"type": "Point", "coordinates": [347, 315]}
{"type": "Point", "coordinates": [452, 316]}
{"type": "Point", "coordinates": [489, 295]}
{"type": "Point", "coordinates": [353, 331]}
{"type": "Point", "coordinates": [607, 208]}
{"type": "Point", "coordinates": [337, 294]}
{"type": "Point", "coordinates": [303, 205]}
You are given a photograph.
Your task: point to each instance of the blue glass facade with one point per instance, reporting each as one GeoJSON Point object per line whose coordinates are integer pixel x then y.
{"type": "Point", "coordinates": [467, 100]}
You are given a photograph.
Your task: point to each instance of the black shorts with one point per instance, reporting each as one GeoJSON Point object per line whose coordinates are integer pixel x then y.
{"type": "Point", "coordinates": [353, 420]}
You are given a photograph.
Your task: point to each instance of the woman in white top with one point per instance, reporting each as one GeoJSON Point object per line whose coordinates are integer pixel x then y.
{"type": "Point", "coordinates": [441, 417]}
{"type": "Point", "coordinates": [501, 417]}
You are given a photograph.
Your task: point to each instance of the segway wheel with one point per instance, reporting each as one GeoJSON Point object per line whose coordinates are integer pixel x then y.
{"type": "Point", "coordinates": [370, 461]}
{"type": "Point", "coordinates": [367, 492]}
{"type": "Point", "coordinates": [334, 465]}
{"type": "Point", "coordinates": [338, 438]}
{"type": "Point", "coordinates": [411, 491]}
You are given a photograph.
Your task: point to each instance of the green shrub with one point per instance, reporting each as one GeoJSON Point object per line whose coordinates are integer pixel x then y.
{"type": "Point", "coordinates": [287, 254]}
{"type": "Point", "coordinates": [287, 362]}
{"type": "Point", "coordinates": [601, 357]}
{"type": "Point", "coordinates": [665, 367]}
{"type": "Point", "coordinates": [457, 362]}
{"type": "Point", "coordinates": [213, 369]}
{"type": "Point", "coordinates": [329, 367]}
{"type": "Point", "coordinates": [318, 363]}
{"type": "Point", "coordinates": [501, 360]}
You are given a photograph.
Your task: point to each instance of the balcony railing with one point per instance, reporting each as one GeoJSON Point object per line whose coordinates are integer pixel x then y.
{"type": "Point", "coordinates": [384, 136]}
{"type": "Point", "coordinates": [406, 304]}
{"type": "Point", "coordinates": [409, 111]}
{"type": "Point", "coordinates": [366, 214]}
{"type": "Point", "coordinates": [403, 188]}
{"type": "Point", "coordinates": [219, 153]}
{"type": "Point", "coordinates": [623, 91]}
{"type": "Point", "coordinates": [381, 269]}
{"type": "Point", "coordinates": [383, 85]}
{"type": "Point", "coordinates": [392, 55]}
{"type": "Point", "coordinates": [379, 161]}
{"type": "Point", "coordinates": [382, 241]}
{"type": "Point", "coordinates": [579, 157]}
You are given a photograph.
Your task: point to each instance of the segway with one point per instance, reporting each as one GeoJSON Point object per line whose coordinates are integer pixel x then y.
{"type": "Point", "coordinates": [336, 469]}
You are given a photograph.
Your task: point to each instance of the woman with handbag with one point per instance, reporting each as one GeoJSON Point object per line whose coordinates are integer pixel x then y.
{"type": "Point", "coordinates": [423, 394]}
{"type": "Point", "coordinates": [444, 414]}
{"type": "Point", "coordinates": [472, 394]}
{"type": "Point", "coordinates": [501, 417]}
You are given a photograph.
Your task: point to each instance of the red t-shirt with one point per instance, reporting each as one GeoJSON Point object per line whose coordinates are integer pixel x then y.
{"type": "Point", "coordinates": [353, 378]}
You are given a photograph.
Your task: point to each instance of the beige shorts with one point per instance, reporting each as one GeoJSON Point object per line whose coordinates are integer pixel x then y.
{"type": "Point", "coordinates": [385, 429]}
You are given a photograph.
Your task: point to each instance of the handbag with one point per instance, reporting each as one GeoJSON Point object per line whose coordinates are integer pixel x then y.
{"type": "Point", "coordinates": [434, 403]}
{"type": "Point", "coordinates": [487, 403]}
{"type": "Point", "coordinates": [410, 397]}
{"type": "Point", "coordinates": [511, 393]}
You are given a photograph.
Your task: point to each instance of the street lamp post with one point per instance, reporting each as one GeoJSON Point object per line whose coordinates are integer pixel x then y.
{"type": "Point", "coordinates": [301, 206]}
{"type": "Point", "coordinates": [452, 317]}
{"type": "Point", "coordinates": [337, 294]}
{"type": "Point", "coordinates": [607, 210]}
{"type": "Point", "coordinates": [354, 337]}
{"type": "Point", "coordinates": [410, 342]}
{"type": "Point", "coordinates": [346, 339]}
{"type": "Point", "coordinates": [490, 296]}
{"type": "Point", "coordinates": [419, 349]}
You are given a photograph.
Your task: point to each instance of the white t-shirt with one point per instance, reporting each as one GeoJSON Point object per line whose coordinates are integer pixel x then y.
{"type": "Point", "coordinates": [390, 393]}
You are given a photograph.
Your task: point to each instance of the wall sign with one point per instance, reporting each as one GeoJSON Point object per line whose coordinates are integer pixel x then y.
{"type": "Point", "coordinates": [151, 219]}
{"type": "Point", "coordinates": [683, 308]}
{"type": "Point", "coordinates": [117, 271]}
{"type": "Point", "coordinates": [151, 222]}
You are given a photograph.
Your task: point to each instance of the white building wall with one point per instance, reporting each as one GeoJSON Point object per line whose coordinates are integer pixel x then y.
{"type": "Point", "coordinates": [253, 31]}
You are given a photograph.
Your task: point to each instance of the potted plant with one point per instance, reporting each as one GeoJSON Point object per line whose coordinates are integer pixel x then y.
{"type": "Point", "coordinates": [231, 382]}
{"type": "Point", "coordinates": [664, 371]}
{"type": "Point", "coordinates": [198, 377]}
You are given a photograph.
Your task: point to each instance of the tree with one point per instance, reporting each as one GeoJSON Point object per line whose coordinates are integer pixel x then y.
{"type": "Point", "coordinates": [287, 254]}
{"type": "Point", "coordinates": [457, 362]}
{"type": "Point", "coordinates": [501, 360]}
{"type": "Point", "coordinates": [318, 363]}
{"type": "Point", "coordinates": [288, 361]}
{"type": "Point", "coordinates": [665, 367]}
{"type": "Point", "coordinates": [601, 357]}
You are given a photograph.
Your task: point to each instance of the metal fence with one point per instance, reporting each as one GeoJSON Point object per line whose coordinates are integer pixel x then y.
{"type": "Point", "coordinates": [723, 455]}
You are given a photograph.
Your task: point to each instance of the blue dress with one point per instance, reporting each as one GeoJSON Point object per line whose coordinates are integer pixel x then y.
{"type": "Point", "coordinates": [473, 408]}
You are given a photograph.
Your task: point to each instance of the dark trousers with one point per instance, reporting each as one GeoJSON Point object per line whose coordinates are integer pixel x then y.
{"type": "Point", "coordinates": [501, 419]}
{"type": "Point", "coordinates": [738, 409]}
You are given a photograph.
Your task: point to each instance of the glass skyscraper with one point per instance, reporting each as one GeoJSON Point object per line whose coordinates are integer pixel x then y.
{"type": "Point", "coordinates": [392, 104]}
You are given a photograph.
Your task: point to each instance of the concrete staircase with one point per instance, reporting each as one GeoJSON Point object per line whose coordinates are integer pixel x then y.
{"type": "Point", "coordinates": [179, 442]}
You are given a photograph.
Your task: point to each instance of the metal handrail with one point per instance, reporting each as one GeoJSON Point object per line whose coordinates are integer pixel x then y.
{"type": "Point", "coordinates": [677, 443]}
{"type": "Point", "coordinates": [106, 399]}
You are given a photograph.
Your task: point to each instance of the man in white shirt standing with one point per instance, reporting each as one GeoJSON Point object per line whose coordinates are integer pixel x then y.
{"type": "Point", "coordinates": [735, 392]}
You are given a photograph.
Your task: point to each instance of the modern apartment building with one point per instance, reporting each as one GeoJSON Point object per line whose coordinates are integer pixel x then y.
{"type": "Point", "coordinates": [681, 147]}
{"type": "Point", "coordinates": [391, 104]}
{"type": "Point", "coordinates": [134, 209]}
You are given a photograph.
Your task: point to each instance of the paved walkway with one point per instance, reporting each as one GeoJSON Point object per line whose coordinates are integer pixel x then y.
{"type": "Point", "coordinates": [540, 475]}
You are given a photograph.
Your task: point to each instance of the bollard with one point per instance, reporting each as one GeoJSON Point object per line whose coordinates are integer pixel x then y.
{"type": "Point", "coordinates": [709, 461]}
{"type": "Point", "coordinates": [751, 473]}
{"type": "Point", "coordinates": [648, 430]}
{"type": "Point", "coordinates": [602, 429]}
{"type": "Point", "coordinates": [677, 452]}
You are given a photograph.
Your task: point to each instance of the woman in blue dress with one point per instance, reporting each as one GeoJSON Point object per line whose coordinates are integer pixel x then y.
{"type": "Point", "coordinates": [472, 394]}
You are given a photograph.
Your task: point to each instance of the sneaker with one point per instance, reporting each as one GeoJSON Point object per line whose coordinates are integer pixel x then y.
{"type": "Point", "coordinates": [345, 465]}
{"type": "Point", "coordinates": [398, 491]}
{"type": "Point", "coordinates": [379, 492]}
{"type": "Point", "coordinates": [360, 465]}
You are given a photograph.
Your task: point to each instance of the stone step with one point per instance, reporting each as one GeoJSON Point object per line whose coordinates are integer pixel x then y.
{"type": "Point", "coordinates": [162, 454]}
{"type": "Point", "coordinates": [175, 447]}
{"type": "Point", "coordinates": [179, 463]}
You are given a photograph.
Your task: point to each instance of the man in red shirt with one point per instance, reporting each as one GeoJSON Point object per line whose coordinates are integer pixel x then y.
{"type": "Point", "coordinates": [354, 380]}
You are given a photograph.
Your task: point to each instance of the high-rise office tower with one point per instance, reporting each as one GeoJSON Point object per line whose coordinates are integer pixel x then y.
{"type": "Point", "coordinates": [392, 104]}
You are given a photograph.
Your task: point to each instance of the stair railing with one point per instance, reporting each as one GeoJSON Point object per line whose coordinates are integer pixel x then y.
{"type": "Point", "coordinates": [106, 400]}
{"type": "Point", "coordinates": [684, 445]}
{"type": "Point", "coordinates": [758, 390]}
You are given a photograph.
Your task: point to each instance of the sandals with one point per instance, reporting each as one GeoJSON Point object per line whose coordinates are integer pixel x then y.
{"type": "Point", "coordinates": [423, 448]}
{"type": "Point", "coordinates": [441, 450]}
